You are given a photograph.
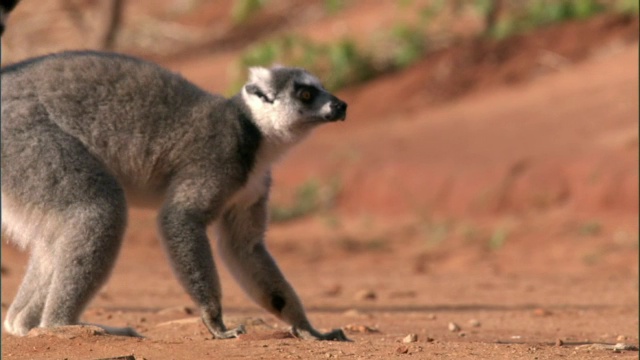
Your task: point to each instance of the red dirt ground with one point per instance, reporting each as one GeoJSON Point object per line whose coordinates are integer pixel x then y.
{"type": "Point", "coordinates": [493, 185]}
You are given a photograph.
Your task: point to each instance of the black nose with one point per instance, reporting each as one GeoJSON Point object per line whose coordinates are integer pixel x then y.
{"type": "Point", "coordinates": [338, 110]}
{"type": "Point", "coordinates": [339, 106]}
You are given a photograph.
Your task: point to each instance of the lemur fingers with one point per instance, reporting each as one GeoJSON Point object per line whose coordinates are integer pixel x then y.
{"type": "Point", "coordinates": [228, 334]}
{"type": "Point", "coordinates": [312, 334]}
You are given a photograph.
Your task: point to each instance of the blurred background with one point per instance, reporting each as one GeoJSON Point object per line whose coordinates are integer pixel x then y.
{"type": "Point", "coordinates": [486, 139]}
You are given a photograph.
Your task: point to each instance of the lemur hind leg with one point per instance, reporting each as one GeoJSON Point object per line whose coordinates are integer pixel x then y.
{"type": "Point", "coordinates": [80, 214]}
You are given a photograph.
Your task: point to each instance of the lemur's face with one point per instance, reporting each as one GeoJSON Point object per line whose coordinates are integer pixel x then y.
{"type": "Point", "coordinates": [287, 102]}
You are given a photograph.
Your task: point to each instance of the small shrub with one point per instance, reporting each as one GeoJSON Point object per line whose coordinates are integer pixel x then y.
{"type": "Point", "coordinates": [340, 63]}
{"type": "Point", "coordinates": [537, 13]}
{"type": "Point", "coordinates": [410, 45]}
{"type": "Point", "coordinates": [306, 202]}
{"type": "Point", "coordinates": [310, 198]}
{"type": "Point", "coordinates": [628, 6]}
{"type": "Point", "coordinates": [591, 228]}
{"type": "Point", "coordinates": [334, 6]}
{"type": "Point", "coordinates": [244, 9]}
{"type": "Point", "coordinates": [347, 65]}
{"type": "Point", "coordinates": [498, 238]}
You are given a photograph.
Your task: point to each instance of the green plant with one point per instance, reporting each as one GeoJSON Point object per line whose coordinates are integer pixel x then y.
{"type": "Point", "coordinates": [628, 6]}
{"type": "Point", "coordinates": [429, 12]}
{"type": "Point", "coordinates": [410, 45]}
{"type": "Point", "coordinates": [352, 244]}
{"type": "Point", "coordinates": [310, 197]}
{"type": "Point", "coordinates": [543, 12]}
{"type": "Point", "coordinates": [593, 257]}
{"type": "Point", "coordinates": [519, 17]}
{"type": "Point", "coordinates": [306, 202]}
{"type": "Point", "coordinates": [340, 63]}
{"type": "Point", "coordinates": [591, 228]}
{"type": "Point", "coordinates": [435, 232]}
{"type": "Point", "coordinates": [244, 9]}
{"type": "Point", "coordinates": [334, 6]}
{"type": "Point", "coordinates": [498, 238]}
{"type": "Point", "coordinates": [347, 64]}
{"type": "Point", "coordinates": [469, 233]}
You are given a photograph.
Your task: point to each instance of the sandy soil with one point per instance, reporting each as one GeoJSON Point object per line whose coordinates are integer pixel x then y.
{"type": "Point", "coordinates": [499, 194]}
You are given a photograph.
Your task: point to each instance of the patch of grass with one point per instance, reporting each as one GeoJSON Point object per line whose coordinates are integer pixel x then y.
{"type": "Point", "coordinates": [332, 221]}
{"type": "Point", "coordinates": [498, 238]}
{"type": "Point", "coordinates": [339, 63]}
{"type": "Point", "coordinates": [469, 233]}
{"type": "Point", "coordinates": [436, 232]}
{"type": "Point", "coordinates": [334, 6]}
{"type": "Point", "coordinates": [347, 64]}
{"type": "Point", "coordinates": [306, 201]}
{"type": "Point", "coordinates": [409, 45]}
{"type": "Point", "coordinates": [591, 228]}
{"type": "Point", "coordinates": [429, 12]}
{"type": "Point", "coordinates": [591, 258]}
{"type": "Point", "coordinates": [351, 244]}
{"type": "Point", "coordinates": [244, 9]}
{"type": "Point", "coordinates": [537, 13]}
{"type": "Point", "coordinates": [310, 198]}
{"type": "Point", "coordinates": [343, 62]}
{"type": "Point", "coordinates": [628, 6]}
{"type": "Point", "coordinates": [543, 12]}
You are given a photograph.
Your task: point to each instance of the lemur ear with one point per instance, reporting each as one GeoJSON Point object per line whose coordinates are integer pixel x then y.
{"type": "Point", "coordinates": [259, 74]}
{"type": "Point", "coordinates": [255, 90]}
{"type": "Point", "coordinates": [259, 83]}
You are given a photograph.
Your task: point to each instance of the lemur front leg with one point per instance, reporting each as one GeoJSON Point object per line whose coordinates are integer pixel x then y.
{"type": "Point", "coordinates": [183, 221]}
{"type": "Point", "coordinates": [241, 233]}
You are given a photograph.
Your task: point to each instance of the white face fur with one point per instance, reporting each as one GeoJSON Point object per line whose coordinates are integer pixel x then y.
{"type": "Point", "coordinates": [288, 102]}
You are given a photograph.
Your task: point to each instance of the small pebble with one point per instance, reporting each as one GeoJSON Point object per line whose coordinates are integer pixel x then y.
{"type": "Point", "coordinates": [541, 312]}
{"type": "Point", "coordinates": [453, 327]}
{"type": "Point", "coordinates": [411, 338]}
{"type": "Point", "coordinates": [432, 316]}
{"type": "Point", "coordinates": [621, 338]}
{"type": "Point", "coordinates": [559, 342]}
{"type": "Point", "coordinates": [402, 349]}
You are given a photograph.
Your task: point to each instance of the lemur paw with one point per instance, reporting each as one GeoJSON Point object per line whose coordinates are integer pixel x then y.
{"type": "Point", "coordinates": [333, 335]}
{"type": "Point", "coordinates": [230, 334]}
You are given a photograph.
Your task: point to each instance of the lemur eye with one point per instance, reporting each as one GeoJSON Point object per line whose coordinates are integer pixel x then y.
{"type": "Point", "coordinates": [305, 93]}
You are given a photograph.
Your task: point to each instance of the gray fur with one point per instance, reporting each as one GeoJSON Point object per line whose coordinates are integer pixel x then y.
{"type": "Point", "coordinates": [86, 133]}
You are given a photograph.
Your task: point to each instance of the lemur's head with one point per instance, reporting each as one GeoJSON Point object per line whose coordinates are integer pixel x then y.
{"type": "Point", "coordinates": [287, 102]}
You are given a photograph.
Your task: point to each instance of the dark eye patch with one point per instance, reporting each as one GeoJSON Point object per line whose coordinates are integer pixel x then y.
{"type": "Point", "coordinates": [305, 93]}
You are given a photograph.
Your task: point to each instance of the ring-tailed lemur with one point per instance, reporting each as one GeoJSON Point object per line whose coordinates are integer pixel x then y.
{"type": "Point", "coordinates": [83, 133]}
